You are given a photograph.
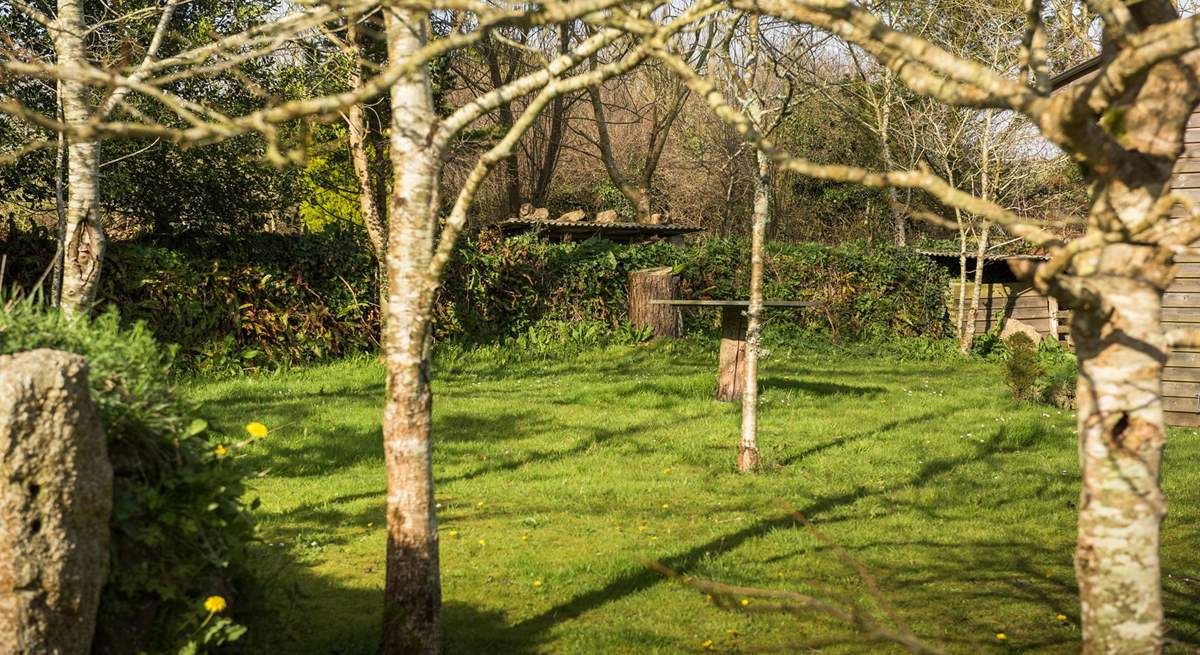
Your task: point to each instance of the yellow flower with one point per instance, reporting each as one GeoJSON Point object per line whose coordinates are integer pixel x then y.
{"type": "Point", "coordinates": [707, 645]}
{"type": "Point", "coordinates": [454, 534]}
{"type": "Point", "coordinates": [1001, 636]}
{"type": "Point", "coordinates": [524, 537]}
{"type": "Point", "coordinates": [220, 450]}
{"type": "Point", "coordinates": [708, 597]}
{"type": "Point", "coordinates": [666, 506]}
{"type": "Point", "coordinates": [666, 471]}
{"type": "Point", "coordinates": [482, 542]}
{"type": "Point", "coordinates": [745, 602]}
{"type": "Point", "coordinates": [256, 429]}
{"type": "Point", "coordinates": [653, 538]}
{"type": "Point", "coordinates": [1061, 617]}
{"type": "Point", "coordinates": [214, 604]}
{"type": "Point", "coordinates": [370, 524]}
{"type": "Point", "coordinates": [537, 583]}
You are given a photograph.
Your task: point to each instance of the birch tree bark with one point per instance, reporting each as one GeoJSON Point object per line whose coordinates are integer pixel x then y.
{"type": "Point", "coordinates": [83, 234]}
{"type": "Point", "coordinates": [412, 594]}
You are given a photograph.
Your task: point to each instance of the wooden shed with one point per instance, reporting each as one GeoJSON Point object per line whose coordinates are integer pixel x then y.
{"type": "Point", "coordinates": [1181, 302]}
{"type": "Point", "coordinates": [1002, 296]}
{"type": "Point", "coordinates": [616, 232]}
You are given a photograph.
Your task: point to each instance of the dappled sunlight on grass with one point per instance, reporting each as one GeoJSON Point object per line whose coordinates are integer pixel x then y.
{"type": "Point", "coordinates": [559, 478]}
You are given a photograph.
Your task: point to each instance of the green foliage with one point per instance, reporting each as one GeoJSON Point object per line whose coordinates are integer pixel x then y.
{"type": "Point", "coordinates": [179, 523]}
{"type": "Point", "coordinates": [263, 301]}
{"type": "Point", "coordinates": [1021, 368]}
{"type": "Point", "coordinates": [1045, 372]}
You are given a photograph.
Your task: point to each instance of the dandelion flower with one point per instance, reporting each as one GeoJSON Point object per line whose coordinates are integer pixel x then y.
{"type": "Point", "coordinates": [654, 538]}
{"type": "Point", "coordinates": [745, 602]}
{"type": "Point", "coordinates": [524, 537]}
{"type": "Point", "coordinates": [707, 645]}
{"type": "Point", "coordinates": [454, 534]}
{"type": "Point", "coordinates": [479, 504]}
{"type": "Point", "coordinates": [220, 450]}
{"type": "Point", "coordinates": [1061, 618]}
{"type": "Point", "coordinates": [482, 542]}
{"type": "Point", "coordinates": [214, 604]}
{"type": "Point", "coordinates": [666, 506]}
{"type": "Point", "coordinates": [537, 583]}
{"type": "Point", "coordinates": [708, 597]}
{"type": "Point", "coordinates": [666, 471]}
{"type": "Point", "coordinates": [370, 524]}
{"type": "Point", "coordinates": [256, 429]}
{"type": "Point", "coordinates": [1001, 636]}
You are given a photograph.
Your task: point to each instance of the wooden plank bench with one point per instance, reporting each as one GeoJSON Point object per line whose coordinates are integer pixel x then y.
{"type": "Point", "coordinates": [731, 372]}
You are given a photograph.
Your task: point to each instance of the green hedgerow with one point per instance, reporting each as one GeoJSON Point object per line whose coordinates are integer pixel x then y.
{"type": "Point", "coordinates": [179, 526]}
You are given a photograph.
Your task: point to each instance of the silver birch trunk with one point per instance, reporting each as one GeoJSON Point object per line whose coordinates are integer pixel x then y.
{"type": "Point", "coordinates": [1121, 439]}
{"type": "Point", "coordinates": [964, 346]}
{"type": "Point", "coordinates": [83, 235]}
{"type": "Point", "coordinates": [412, 595]}
{"type": "Point", "coordinates": [748, 447]}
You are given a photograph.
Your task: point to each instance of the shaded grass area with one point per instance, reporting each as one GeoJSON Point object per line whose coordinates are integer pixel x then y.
{"type": "Point", "coordinates": [559, 479]}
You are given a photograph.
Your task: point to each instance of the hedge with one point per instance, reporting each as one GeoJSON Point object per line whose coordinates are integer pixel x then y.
{"type": "Point", "coordinates": [266, 300]}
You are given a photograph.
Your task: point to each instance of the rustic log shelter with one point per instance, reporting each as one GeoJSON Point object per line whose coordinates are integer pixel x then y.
{"type": "Point", "coordinates": [1181, 301]}
{"type": "Point", "coordinates": [557, 230]}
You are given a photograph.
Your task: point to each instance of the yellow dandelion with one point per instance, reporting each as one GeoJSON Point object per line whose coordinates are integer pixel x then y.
{"type": "Point", "coordinates": [1061, 618]}
{"type": "Point", "coordinates": [220, 450]}
{"type": "Point", "coordinates": [666, 471]}
{"type": "Point", "coordinates": [745, 602]}
{"type": "Point", "coordinates": [479, 504]}
{"type": "Point", "coordinates": [537, 583]}
{"type": "Point", "coordinates": [214, 604]}
{"type": "Point", "coordinates": [524, 537]}
{"type": "Point", "coordinates": [731, 631]}
{"type": "Point", "coordinates": [370, 524]}
{"type": "Point", "coordinates": [482, 542]}
{"type": "Point", "coordinates": [1001, 636]}
{"type": "Point", "coordinates": [256, 429]}
{"type": "Point", "coordinates": [666, 506]}
{"type": "Point", "coordinates": [454, 534]}
{"type": "Point", "coordinates": [707, 645]}
{"type": "Point", "coordinates": [708, 597]}
{"type": "Point", "coordinates": [653, 538]}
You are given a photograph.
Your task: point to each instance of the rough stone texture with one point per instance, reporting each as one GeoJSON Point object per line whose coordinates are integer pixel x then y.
{"type": "Point", "coordinates": [526, 209]}
{"type": "Point", "coordinates": [577, 215]}
{"type": "Point", "coordinates": [658, 219]}
{"type": "Point", "coordinates": [539, 214]}
{"type": "Point", "coordinates": [1013, 326]}
{"type": "Point", "coordinates": [55, 503]}
{"type": "Point", "coordinates": [608, 216]}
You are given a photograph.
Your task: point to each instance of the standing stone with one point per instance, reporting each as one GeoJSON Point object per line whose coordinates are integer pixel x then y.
{"type": "Point", "coordinates": [1013, 326]}
{"type": "Point", "coordinates": [607, 216]}
{"type": "Point", "coordinates": [575, 216]}
{"type": "Point", "coordinates": [55, 503]}
{"type": "Point", "coordinates": [526, 209]}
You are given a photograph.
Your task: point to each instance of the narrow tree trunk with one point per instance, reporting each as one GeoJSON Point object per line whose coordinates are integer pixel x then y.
{"type": "Point", "coordinates": [964, 346]}
{"type": "Point", "coordinates": [1121, 433]}
{"type": "Point", "coordinates": [83, 237]}
{"type": "Point", "coordinates": [504, 115]}
{"type": "Point", "coordinates": [884, 117]}
{"type": "Point", "coordinates": [748, 448]}
{"type": "Point", "coordinates": [368, 196]}
{"type": "Point", "coordinates": [968, 333]}
{"type": "Point", "coordinates": [60, 210]}
{"type": "Point", "coordinates": [412, 596]}
{"type": "Point", "coordinates": [637, 197]}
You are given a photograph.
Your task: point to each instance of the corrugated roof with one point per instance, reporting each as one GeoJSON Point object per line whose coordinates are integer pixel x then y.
{"type": "Point", "coordinates": [671, 228]}
{"type": "Point", "coordinates": [986, 258]}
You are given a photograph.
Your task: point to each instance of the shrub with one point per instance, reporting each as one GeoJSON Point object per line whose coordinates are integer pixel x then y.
{"type": "Point", "coordinates": [266, 300]}
{"type": "Point", "coordinates": [1021, 368]}
{"type": "Point", "coordinates": [1044, 372]}
{"type": "Point", "coordinates": [179, 525]}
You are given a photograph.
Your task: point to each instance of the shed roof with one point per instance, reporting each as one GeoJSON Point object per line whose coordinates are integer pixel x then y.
{"type": "Point", "coordinates": [592, 227]}
{"type": "Point", "coordinates": [987, 258]}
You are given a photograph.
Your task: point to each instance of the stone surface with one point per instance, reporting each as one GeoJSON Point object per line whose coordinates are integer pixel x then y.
{"type": "Point", "coordinates": [608, 216]}
{"type": "Point", "coordinates": [577, 215]}
{"type": "Point", "coordinates": [658, 219]}
{"type": "Point", "coordinates": [55, 503]}
{"type": "Point", "coordinates": [1013, 326]}
{"type": "Point", "coordinates": [526, 209]}
{"type": "Point", "coordinates": [539, 214]}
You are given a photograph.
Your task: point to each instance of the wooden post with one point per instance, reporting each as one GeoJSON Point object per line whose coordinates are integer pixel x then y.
{"type": "Point", "coordinates": [655, 284]}
{"type": "Point", "coordinates": [731, 379]}
{"type": "Point", "coordinates": [1053, 307]}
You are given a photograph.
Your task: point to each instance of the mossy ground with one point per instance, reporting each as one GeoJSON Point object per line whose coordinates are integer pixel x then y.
{"type": "Point", "coordinates": [559, 479]}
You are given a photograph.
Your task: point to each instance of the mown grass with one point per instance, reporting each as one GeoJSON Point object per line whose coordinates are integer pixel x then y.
{"type": "Point", "coordinates": [559, 479]}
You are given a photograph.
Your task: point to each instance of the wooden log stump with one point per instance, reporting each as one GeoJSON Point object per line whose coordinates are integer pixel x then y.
{"type": "Point", "coordinates": [731, 378]}
{"type": "Point", "coordinates": [655, 284]}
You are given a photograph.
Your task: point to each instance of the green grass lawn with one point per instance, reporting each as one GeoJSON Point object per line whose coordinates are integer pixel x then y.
{"type": "Point", "coordinates": [558, 480]}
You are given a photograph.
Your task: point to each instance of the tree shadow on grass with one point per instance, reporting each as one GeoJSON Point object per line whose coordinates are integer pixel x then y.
{"type": "Point", "coordinates": [295, 611]}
